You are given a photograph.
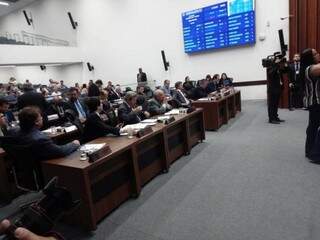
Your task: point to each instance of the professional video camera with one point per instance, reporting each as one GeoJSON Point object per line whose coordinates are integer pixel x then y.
{"type": "Point", "coordinates": [40, 216]}
{"type": "Point", "coordinates": [274, 60]}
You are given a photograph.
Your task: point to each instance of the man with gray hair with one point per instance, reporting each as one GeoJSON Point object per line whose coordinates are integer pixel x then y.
{"type": "Point", "coordinates": [129, 112]}
{"type": "Point", "coordinates": [159, 104]}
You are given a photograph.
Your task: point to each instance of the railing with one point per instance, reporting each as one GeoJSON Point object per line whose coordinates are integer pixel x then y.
{"type": "Point", "coordinates": [26, 38]}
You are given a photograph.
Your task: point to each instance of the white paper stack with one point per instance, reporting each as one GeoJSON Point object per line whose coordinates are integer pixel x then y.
{"type": "Point", "coordinates": [173, 112]}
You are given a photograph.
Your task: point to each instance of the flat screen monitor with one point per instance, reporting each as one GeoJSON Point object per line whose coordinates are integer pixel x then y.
{"type": "Point", "coordinates": [225, 24]}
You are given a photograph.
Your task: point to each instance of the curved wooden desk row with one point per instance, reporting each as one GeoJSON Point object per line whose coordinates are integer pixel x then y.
{"type": "Point", "coordinates": [105, 184]}
{"type": "Point", "coordinates": [217, 113]}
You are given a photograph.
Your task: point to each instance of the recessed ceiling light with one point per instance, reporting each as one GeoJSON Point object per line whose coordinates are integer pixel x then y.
{"type": "Point", "coordinates": [4, 3]}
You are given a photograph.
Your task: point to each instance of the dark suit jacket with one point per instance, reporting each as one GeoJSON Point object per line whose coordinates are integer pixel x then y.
{"type": "Point", "coordinates": [44, 147]}
{"type": "Point", "coordinates": [143, 77]}
{"type": "Point", "coordinates": [10, 117]}
{"type": "Point", "coordinates": [95, 128]}
{"type": "Point", "coordinates": [212, 87]}
{"type": "Point", "coordinates": [199, 92]}
{"type": "Point", "coordinates": [156, 108]}
{"type": "Point", "coordinates": [93, 91]}
{"type": "Point", "coordinates": [142, 101]}
{"type": "Point", "coordinates": [177, 95]}
{"type": "Point", "coordinates": [32, 99]}
{"type": "Point", "coordinates": [113, 95]}
{"type": "Point", "coordinates": [71, 105]}
{"type": "Point", "coordinates": [127, 116]}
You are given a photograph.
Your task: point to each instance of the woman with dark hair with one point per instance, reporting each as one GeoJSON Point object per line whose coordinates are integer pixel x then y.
{"type": "Point", "coordinates": [95, 127]}
{"type": "Point", "coordinates": [225, 80]}
{"type": "Point", "coordinates": [310, 76]}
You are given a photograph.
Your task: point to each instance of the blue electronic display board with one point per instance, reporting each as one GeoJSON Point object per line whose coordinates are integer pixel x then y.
{"type": "Point", "coordinates": [227, 24]}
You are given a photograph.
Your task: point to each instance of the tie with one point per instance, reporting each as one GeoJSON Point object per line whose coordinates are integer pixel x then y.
{"type": "Point", "coordinates": [80, 110]}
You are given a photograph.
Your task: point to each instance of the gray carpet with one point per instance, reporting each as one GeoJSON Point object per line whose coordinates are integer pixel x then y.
{"type": "Point", "coordinates": [249, 180]}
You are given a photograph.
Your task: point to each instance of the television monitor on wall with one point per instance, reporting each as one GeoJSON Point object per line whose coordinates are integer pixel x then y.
{"type": "Point", "coordinates": [225, 24]}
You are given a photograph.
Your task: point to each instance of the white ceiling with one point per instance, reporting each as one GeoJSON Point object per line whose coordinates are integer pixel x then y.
{"type": "Point", "coordinates": [4, 10]}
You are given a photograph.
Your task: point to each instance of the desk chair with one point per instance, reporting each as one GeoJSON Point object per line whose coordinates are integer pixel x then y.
{"type": "Point", "coordinates": [24, 167]}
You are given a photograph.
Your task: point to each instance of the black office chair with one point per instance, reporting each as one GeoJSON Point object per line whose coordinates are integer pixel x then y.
{"type": "Point", "coordinates": [25, 168]}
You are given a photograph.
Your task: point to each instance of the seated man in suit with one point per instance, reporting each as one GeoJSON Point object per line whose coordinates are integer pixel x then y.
{"type": "Point", "coordinates": [57, 107]}
{"type": "Point", "coordinates": [112, 94]}
{"type": "Point", "coordinates": [166, 88]}
{"type": "Point", "coordinates": [32, 98]}
{"type": "Point", "coordinates": [95, 127]}
{"type": "Point", "coordinates": [159, 104]}
{"type": "Point", "coordinates": [76, 105]}
{"type": "Point", "coordinates": [142, 99]}
{"type": "Point", "coordinates": [200, 91]}
{"type": "Point", "coordinates": [129, 112]}
{"type": "Point", "coordinates": [104, 100]}
{"type": "Point", "coordinates": [30, 124]}
{"type": "Point", "coordinates": [4, 109]}
{"type": "Point", "coordinates": [179, 95]}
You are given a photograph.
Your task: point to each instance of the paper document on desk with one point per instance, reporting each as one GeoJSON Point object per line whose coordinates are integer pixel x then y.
{"type": "Point", "coordinates": [149, 121]}
{"type": "Point", "coordinates": [173, 112]}
{"type": "Point", "coordinates": [92, 147]}
{"type": "Point", "coordinates": [53, 117]}
{"type": "Point", "coordinates": [204, 99]}
{"type": "Point", "coordinates": [70, 129]}
{"type": "Point", "coordinates": [137, 126]}
{"type": "Point", "coordinates": [163, 118]}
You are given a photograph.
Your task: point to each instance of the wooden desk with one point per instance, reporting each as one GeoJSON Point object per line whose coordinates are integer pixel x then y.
{"type": "Point", "coordinates": [105, 184]}
{"type": "Point", "coordinates": [217, 113]}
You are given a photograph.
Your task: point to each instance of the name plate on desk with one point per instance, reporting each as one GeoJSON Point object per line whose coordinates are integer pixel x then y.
{"type": "Point", "coordinates": [144, 131]}
{"type": "Point", "coordinates": [96, 155]}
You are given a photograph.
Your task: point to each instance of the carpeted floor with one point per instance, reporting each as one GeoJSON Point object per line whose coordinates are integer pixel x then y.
{"type": "Point", "coordinates": [248, 181]}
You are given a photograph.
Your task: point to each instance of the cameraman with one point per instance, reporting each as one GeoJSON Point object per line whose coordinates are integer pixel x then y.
{"type": "Point", "coordinates": [275, 86]}
{"type": "Point", "coordinates": [24, 234]}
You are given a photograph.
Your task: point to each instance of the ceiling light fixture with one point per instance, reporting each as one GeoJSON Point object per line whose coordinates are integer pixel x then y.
{"type": "Point", "coordinates": [4, 3]}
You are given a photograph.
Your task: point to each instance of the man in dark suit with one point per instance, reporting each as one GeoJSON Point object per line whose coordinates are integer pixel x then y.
{"type": "Point", "coordinates": [296, 87]}
{"type": "Point", "coordinates": [274, 90]}
{"type": "Point", "coordinates": [57, 107]}
{"type": "Point", "coordinates": [95, 127]}
{"type": "Point", "coordinates": [32, 98]}
{"type": "Point", "coordinates": [112, 94]}
{"type": "Point", "coordinates": [93, 90]}
{"type": "Point", "coordinates": [76, 105]}
{"type": "Point", "coordinates": [200, 90]}
{"type": "Point", "coordinates": [179, 95]}
{"type": "Point", "coordinates": [129, 112]}
{"type": "Point", "coordinates": [44, 148]}
{"type": "Point", "coordinates": [141, 76]}
{"type": "Point", "coordinates": [142, 99]}
{"type": "Point", "coordinates": [159, 104]}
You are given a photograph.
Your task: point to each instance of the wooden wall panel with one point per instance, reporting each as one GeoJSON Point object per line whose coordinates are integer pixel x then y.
{"type": "Point", "coordinates": [304, 25]}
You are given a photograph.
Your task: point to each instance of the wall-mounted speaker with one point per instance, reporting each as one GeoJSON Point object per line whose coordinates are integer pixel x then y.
{"type": "Point", "coordinates": [74, 24]}
{"type": "Point", "coordinates": [43, 67]}
{"type": "Point", "coordinates": [90, 67]}
{"type": "Point", "coordinates": [28, 19]}
{"type": "Point", "coordinates": [284, 47]}
{"type": "Point", "coordinates": [165, 63]}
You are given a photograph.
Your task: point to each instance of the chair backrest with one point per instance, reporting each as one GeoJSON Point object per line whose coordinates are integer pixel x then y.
{"type": "Point", "coordinates": [25, 167]}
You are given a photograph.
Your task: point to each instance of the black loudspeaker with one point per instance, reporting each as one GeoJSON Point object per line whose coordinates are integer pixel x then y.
{"type": "Point", "coordinates": [43, 67]}
{"type": "Point", "coordinates": [73, 23]}
{"type": "Point", "coordinates": [90, 67]}
{"type": "Point", "coordinates": [29, 20]}
{"type": "Point", "coordinates": [284, 47]}
{"type": "Point", "coordinates": [165, 63]}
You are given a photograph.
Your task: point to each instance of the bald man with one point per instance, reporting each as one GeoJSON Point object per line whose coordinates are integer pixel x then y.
{"type": "Point", "coordinates": [158, 104]}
